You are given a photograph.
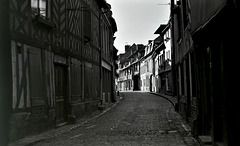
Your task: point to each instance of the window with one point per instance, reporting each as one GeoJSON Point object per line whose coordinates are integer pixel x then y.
{"type": "Point", "coordinates": [167, 36]}
{"type": "Point", "coordinates": [168, 55]}
{"type": "Point", "coordinates": [39, 7]}
{"type": "Point", "coordinates": [147, 66]}
{"type": "Point", "coordinates": [185, 13]}
{"type": "Point", "coordinates": [182, 79]}
{"type": "Point", "coordinates": [88, 24]}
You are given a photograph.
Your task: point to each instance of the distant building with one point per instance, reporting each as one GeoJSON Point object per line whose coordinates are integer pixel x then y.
{"type": "Point", "coordinates": [124, 81]}
{"type": "Point", "coordinates": [129, 68]}
{"type": "Point", "coordinates": [146, 67]}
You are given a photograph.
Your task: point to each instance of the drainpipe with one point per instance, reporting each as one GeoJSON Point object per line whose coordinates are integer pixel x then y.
{"type": "Point", "coordinates": [100, 56]}
{"type": "Point", "coordinates": [173, 48]}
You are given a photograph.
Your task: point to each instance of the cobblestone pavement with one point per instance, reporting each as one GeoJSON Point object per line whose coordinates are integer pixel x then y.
{"type": "Point", "coordinates": [138, 119]}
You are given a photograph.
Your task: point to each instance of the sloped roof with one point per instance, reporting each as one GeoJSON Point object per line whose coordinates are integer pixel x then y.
{"type": "Point", "coordinates": [103, 3]}
{"type": "Point", "coordinates": [161, 29]}
{"type": "Point", "coordinates": [158, 40]}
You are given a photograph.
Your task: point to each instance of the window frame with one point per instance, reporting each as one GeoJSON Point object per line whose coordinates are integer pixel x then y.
{"type": "Point", "coordinates": [45, 13]}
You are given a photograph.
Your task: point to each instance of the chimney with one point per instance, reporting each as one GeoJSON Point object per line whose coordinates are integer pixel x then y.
{"type": "Point", "coordinates": [127, 47]}
{"type": "Point", "coordinates": [149, 41]}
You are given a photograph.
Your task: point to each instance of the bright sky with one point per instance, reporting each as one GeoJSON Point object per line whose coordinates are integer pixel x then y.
{"type": "Point", "coordinates": [137, 20]}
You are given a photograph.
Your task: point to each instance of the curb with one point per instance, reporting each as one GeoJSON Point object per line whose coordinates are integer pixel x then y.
{"type": "Point", "coordinates": [172, 102]}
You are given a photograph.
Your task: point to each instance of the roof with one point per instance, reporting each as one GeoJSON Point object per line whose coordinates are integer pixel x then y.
{"type": "Point", "coordinates": [137, 49]}
{"type": "Point", "coordinates": [158, 40]}
{"type": "Point", "coordinates": [161, 29]}
{"type": "Point", "coordinates": [131, 51]}
{"type": "Point", "coordinates": [103, 3]}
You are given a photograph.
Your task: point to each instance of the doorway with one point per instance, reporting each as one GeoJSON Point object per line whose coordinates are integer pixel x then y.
{"type": "Point", "coordinates": [136, 85]}
{"type": "Point", "coordinates": [61, 94]}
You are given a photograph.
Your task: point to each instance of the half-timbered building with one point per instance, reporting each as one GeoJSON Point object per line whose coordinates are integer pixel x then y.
{"type": "Point", "coordinates": [56, 61]}
{"type": "Point", "coordinates": [203, 35]}
{"type": "Point", "coordinates": [108, 28]}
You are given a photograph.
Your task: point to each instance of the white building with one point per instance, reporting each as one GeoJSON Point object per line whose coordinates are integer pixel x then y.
{"type": "Point", "coordinates": [162, 61]}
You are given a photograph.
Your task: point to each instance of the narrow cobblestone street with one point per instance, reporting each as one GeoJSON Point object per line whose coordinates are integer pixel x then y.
{"type": "Point", "coordinates": [138, 119]}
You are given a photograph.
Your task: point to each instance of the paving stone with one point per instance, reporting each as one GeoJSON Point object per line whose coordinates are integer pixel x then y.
{"type": "Point", "coordinates": [138, 119]}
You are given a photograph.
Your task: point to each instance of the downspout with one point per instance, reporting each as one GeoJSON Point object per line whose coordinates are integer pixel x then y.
{"type": "Point", "coordinates": [173, 48]}
{"type": "Point", "coordinates": [174, 69]}
{"type": "Point", "coordinates": [100, 56]}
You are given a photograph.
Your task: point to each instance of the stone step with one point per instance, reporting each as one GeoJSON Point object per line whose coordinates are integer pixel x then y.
{"type": "Point", "coordinates": [205, 140]}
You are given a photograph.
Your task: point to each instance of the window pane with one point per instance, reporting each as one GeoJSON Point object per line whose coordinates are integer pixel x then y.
{"type": "Point", "coordinates": [34, 4]}
{"type": "Point", "coordinates": [87, 23]}
{"type": "Point", "coordinates": [42, 7]}
{"type": "Point", "coordinates": [39, 6]}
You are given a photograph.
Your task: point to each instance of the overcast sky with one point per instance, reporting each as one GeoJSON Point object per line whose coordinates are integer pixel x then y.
{"type": "Point", "coordinates": [137, 20]}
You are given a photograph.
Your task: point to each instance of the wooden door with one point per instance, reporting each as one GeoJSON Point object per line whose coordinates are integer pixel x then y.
{"type": "Point", "coordinates": [61, 94]}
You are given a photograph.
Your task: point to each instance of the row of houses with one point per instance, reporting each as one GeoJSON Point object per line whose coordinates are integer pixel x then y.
{"type": "Point", "coordinates": [147, 67]}
{"type": "Point", "coordinates": [204, 33]}
{"type": "Point", "coordinates": [199, 71]}
{"type": "Point", "coordinates": [57, 63]}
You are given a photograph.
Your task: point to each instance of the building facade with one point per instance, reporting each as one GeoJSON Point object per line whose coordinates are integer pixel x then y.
{"type": "Point", "coordinates": [108, 28]}
{"type": "Point", "coordinates": [59, 50]}
{"type": "Point", "coordinates": [129, 68]}
{"type": "Point", "coordinates": [163, 61]}
{"type": "Point", "coordinates": [135, 58]}
{"type": "Point", "coordinates": [125, 76]}
{"type": "Point", "coordinates": [146, 67]}
{"type": "Point", "coordinates": [183, 62]}
{"type": "Point", "coordinates": [202, 42]}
